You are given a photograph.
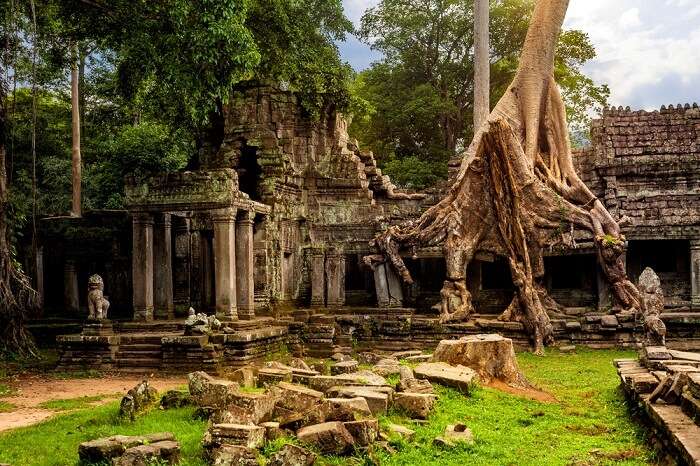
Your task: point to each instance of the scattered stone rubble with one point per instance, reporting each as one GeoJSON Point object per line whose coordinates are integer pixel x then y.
{"type": "Point", "coordinates": [665, 387]}
{"type": "Point", "coordinates": [123, 450]}
{"type": "Point", "coordinates": [137, 400]}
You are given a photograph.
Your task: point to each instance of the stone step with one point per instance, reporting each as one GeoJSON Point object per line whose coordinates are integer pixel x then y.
{"type": "Point", "coordinates": [138, 362]}
{"type": "Point", "coordinates": [129, 354]}
{"type": "Point", "coordinates": [140, 347]}
{"type": "Point", "coordinates": [149, 339]}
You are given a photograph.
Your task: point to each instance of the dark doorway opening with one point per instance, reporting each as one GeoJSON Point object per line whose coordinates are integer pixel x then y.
{"type": "Point", "coordinates": [249, 172]}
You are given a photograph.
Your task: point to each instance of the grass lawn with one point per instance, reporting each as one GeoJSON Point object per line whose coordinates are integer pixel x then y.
{"type": "Point", "coordinates": [588, 426]}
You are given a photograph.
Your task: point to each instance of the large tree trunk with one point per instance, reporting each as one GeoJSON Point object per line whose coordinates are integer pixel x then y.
{"type": "Point", "coordinates": [515, 193]}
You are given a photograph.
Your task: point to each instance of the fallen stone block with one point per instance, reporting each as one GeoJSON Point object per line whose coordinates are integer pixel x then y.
{"type": "Point", "coordinates": [405, 354]}
{"type": "Point", "coordinates": [208, 391]}
{"type": "Point", "coordinates": [323, 383]}
{"type": "Point", "coordinates": [245, 376]}
{"type": "Point", "coordinates": [656, 353]}
{"type": "Point", "coordinates": [344, 367]}
{"type": "Point", "coordinates": [369, 358]}
{"type": "Point", "coordinates": [234, 434]}
{"type": "Point", "coordinates": [364, 432]}
{"type": "Point", "coordinates": [455, 376]}
{"type": "Point", "coordinates": [386, 367]}
{"type": "Point", "coordinates": [295, 420]}
{"type": "Point", "coordinates": [415, 405]}
{"type": "Point", "coordinates": [137, 400]}
{"type": "Point", "coordinates": [271, 376]}
{"type": "Point", "coordinates": [609, 321]}
{"type": "Point", "coordinates": [377, 401]}
{"type": "Point", "coordinates": [104, 449]}
{"type": "Point", "coordinates": [401, 431]}
{"type": "Point", "coordinates": [175, 399]}
{"type": "Point", "coordinates": [298, 363]}
{"type": "Point", "coordinates": [346, 409]}
{"type": "Point", "coordinates": [245, 408]}
{"type": "Point", "coordinates": [296, 397]}
{"type": "Point", "coordinates": [567, 349]}
{"type": "Point", "coordinates": [329, 437]}
{"type": "Point", "coordinates": [458, 433]}
{"type": "Point", "coordinates": [273, 430]}
{"type": "Point", "coordinates": [419, 358]}
{"type": "Point", "coordinates": [292, 455]}
{"type": "Point", "coordinates": [161, 452]}
{"type": "Point", "coordinates": [340, 357]}
{"type": "Point", "coordinates": [490, 355]}
{"type": "Point", "coordinates": [233, 455]}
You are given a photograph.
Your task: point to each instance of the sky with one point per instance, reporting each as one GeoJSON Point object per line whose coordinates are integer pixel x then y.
{"type": "Point", "coordinates": [648, 50]}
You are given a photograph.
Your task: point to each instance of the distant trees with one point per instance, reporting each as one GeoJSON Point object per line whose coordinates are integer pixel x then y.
{"type": "Point", "coordinates": [420, 94]}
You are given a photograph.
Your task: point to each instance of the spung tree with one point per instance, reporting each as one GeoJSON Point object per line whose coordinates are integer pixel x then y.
{"type": "Point", "coordinates": [516, 186]}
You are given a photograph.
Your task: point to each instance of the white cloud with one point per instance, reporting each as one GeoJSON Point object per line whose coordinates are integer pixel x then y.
{"type": "Point", "coordinates": [630, 19]}
{"type": "Point", "coordinates": [355, 8]}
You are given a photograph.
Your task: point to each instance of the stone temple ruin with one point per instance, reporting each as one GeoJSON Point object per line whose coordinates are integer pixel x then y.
{"type": "Point", "coordinates": [269, 234]}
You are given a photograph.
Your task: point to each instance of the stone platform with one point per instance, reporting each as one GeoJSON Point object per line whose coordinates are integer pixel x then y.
{"type": "Point", "coordinates": [673, 430]}
{"type": "Point", "coordinates": [161, 346]}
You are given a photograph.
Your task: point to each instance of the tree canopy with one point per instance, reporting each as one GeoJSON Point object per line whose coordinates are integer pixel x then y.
{"type": "Point", "coordinates": [419, 94]}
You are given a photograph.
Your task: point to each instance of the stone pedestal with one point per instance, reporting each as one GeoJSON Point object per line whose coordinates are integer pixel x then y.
{"type": "Point", "coordinates": [318, 278]}
{"type": "Point", "coordinates": [142, 267]}
{"type": "Point", "coordinates": [225, 265]}
{"type": "Point", "coordinates": [70, 287]}
{"type": "Point", "coordinates": [245, 287]}
{"type": "Point", "coordinates": [164, 307]}
{"type": "Point", "coordinates": [335, 279]}
{"type": "Point", "coordinates": [695, 273]}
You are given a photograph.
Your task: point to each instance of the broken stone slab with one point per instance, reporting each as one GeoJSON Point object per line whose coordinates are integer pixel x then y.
{"type": "Point", "coordinates": [409, 383]}
{"type": "Point", "coordinates": [246, 435]}
{"type": "Point", "coordinates": [273, 430]}
{"type": "Point", "coordinates": [567, 349]}
{"type": "Point", "coordinates": [405, 354]}
{"type": "Point", "coordinates": [233, 455]}
{"type": "Point", "coordinates": [296, 397]}
{"type": "Point", "coordinates": [401, 431]}
{"type": "Point", "coordinates": [324, 382]}
{"type": "Point", "coordinates": [415, 405]}
{"type": "Point", "coordinates": [295, 420]}
{"type": "Point", "coordinates": [271, 376]}
{"type": "Point", "coordinates": [329, 437]}
{"type": "Point", "coordinates": [364, 431]}
{"type": "Point", "coordinates": [386, 367]}
{"type": "Point", "coordinates": [340, 357]}
{"type": "Point", "coordinates": [298, 363]}
{"type": "Point", "coordinates": [346, 409]}
{"type": "Point", "coordinates": [656, 353]}
{"type": "Point", "coordinates": [609, 321]}
{"type": "Point", "coordinates": [137, 400]}
{"type": "Point", "coordinates": [244, 376]}
{"type": "Point", "coordinates": [455, 376]}
{"type": "Point", "coordinates": [694, 384]}
{"type": "Point", "coordinates": [208, 391]}
{"type": "Point", "coordinates": [492, 356]}
{"type": "Point", "coordinates": [458, 433]}
{"type": "Point", "coordinates": [418, 358]}
{"type": "Point", "coordinates": [377, 401]}
{"type": "Point", "coordinates": [167, 451]}
{"type": "Point", "coordinates": [690, 405]}
{"type": "Point", "coordinates": [104, 449]}
{"type": "Point", "coordinates": [175, 399]}
{"type": "Point", "coordinates": [344, 367]}
{"type": "Point", "coordinates": [369, 358]}
{"type": "Point", "coordinates": [292, 455]}
{"type": "Point", "coordinates": [686, 355]}
{"type": "Point", "coordinates": [243, 408]}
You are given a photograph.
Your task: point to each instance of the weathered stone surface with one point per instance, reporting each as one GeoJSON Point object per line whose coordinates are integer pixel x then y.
{"type": "Point", "coordinates": [418, 358]}
{"type": "Point", "coordinates": [248, 408]}
{"type": "Point", "coordinates": [457, 433]}
{"type": "Point", "coordinates": [104, 449]}
{"type": "Point", "coordinates": [296, 397]}
{"type": "Point", "coordinates": [344, 367]}
{"type": "Point", "coordinates": [137, 400]}
{"type": "Point", "coordinates": [364, 432]}
{"type": "Point", "coordinates": [377, 401]}
{"type": "Point", "coordinates": [234, 434]}
{"type": "Point", "coordinates": [652, 297]}
{"type": "Point", "coordinates": [292, 455]}
{"type": "Point", "coordinates": [270, 376]}
{"type": "Point", "coordinates": [490, 355]}
{"type": "Point", "coordinates": [208, 391]}
{"type": "Point", "coordinates": [386, 367]}
{"type": "Point", "coordinates": [567, 349]}
{"type": "Point", "coordinates": [656, 353]}
{"type": "Point", "coordinates": [459, 377]}
{"type": "Point", "coordinates": [234, 455]}
{"type": "Point", "coordinates": [340, 357]}
{"type": "Point", "coordinates": [329, 437]}
{"type": "Point", "coordinates": [609, 321]}
{"type": "Point", "coordinates": [347, 409]}
{"type": "Point", "coordinates": [244, 377]}
{"type": "Point", "coordinates": [409, 383]}
{"type": "Point", "coordinates": [166, 451]}
{"type": "Point", "coordinates": [272, 430]}
{"type": "Point", "coordinates": [401, 431]}
{"type": "Point", "coordinates": [405, 354]}
{"type": "Point", "coordinates": [323, 383]}
{"type": "Point", "coordinates": [415, 405]}
{"type": "Point", "coordinates": [369, 358]}
{"type": "Point", "coordinates": [298, 363]}
{"type": "Point", "coordinates": [175, 399]}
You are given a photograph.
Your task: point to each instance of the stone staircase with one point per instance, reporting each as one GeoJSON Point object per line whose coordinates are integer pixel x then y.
{"type": "Point", "coordinates": [140, 353]}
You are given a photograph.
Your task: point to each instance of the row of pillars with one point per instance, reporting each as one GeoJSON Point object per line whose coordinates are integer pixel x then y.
{"type": "Point", "coordinates": [152, 273]}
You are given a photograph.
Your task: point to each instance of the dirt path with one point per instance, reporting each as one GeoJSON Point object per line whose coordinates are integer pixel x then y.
{"type": "Point", "coordinates": [34, 390]}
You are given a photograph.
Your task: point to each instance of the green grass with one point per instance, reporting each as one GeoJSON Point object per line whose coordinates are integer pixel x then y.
{"type": "Point", "coordinates": [73, 403]}
{"type": "Point", "coordinates": [589, 425]}
{"type": "Point", "coordinates": [6, 407]}
{"type": "Point", "coordinates": [6, 390]}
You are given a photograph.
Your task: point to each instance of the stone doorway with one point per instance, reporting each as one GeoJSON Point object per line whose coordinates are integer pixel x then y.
{"type": "Point", "coordinates": [249, 172]}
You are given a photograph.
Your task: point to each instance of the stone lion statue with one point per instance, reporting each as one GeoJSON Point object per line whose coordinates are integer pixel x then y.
{"type": "Point", "coordinates": [97, 303]}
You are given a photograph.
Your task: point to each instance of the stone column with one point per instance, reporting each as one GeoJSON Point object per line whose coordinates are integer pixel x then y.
{"type": "Point", "coordinates": [70, 287]}
{"type": "Point", "coordinates": [142, 266]}
{"type": "Point", "coordinates": [381, 285]}
{"type": "Point", "coordinates": [163, 269]}
{"type": "Point", "coordinates": [395, 287]}
{"type": "Point", "coordinates": [245, 287]}
{"type": "Point", "coordinates": [695, 273]}
{"type": "Point", "coordinates": [335, 278]}
{"type": "Point", "coordinates": [318, 278]}
{"type": "Point", "coordinates": [225, 264]}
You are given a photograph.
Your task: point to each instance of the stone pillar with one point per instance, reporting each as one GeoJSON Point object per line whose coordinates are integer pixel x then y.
{"type": "Point", "coordinates": [164, 307]}
{"type": "Point", "coordinates": [395, 287]}
{"type": "Point", "coordinates": [245, 286]}
{"type": "Point", "coordinates": [695, 273]}
{"type": "Point", "coordinates": [142, 266]}
{"type": "Point", "coordinates": [381, 285]}
{"type": "Point", "coordinates": [318, 278]}
{"type": "Point", "coordinates": [70, 287]}
{"type": "Point", "coordinates": [335, 278]}
{"type": "Point", "coordinates": [225, 264]}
